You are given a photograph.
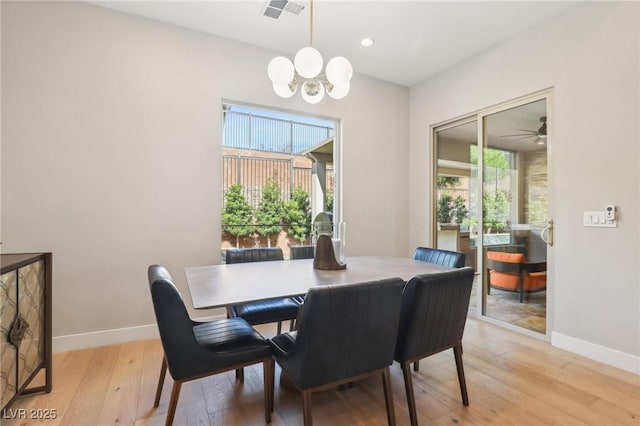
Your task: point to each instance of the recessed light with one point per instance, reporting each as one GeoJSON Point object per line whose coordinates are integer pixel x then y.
{"type": "Point", "coordinates": [366, 42]}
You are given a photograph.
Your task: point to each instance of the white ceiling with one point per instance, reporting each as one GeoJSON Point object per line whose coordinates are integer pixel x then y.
{"type": "Point", "coordinates": [414, 39]}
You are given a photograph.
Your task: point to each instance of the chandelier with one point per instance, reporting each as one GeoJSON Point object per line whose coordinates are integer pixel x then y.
{"type": "Point", "coordinates": [305, 71]}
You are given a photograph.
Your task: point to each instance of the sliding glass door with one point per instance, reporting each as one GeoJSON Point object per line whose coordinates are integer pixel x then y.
{"type": "Point", "coordinates": [492, 204]}
{"type": "Point", "coordinates": [456, 185]}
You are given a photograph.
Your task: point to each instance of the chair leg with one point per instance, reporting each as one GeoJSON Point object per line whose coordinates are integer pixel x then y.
{"type": "Point", "coordinates": [521, 287]}
{"type": "Point", "coordinates": [306, 407]}
{"type": "Point", "coordinates": [388, 396]}
{"type": "Point", "coordinates": [408, 387]}
{"type": "Point", "coordinates": [163, 373]}
{"type": "Point", "coordinates": [268, 368]}
{"type": "Point", "coordinates": [416, 366]}
{"type": "Point", "coordinates": [292, 325]}
{"type": "Point", "coordinates": [240, 374]}
{"type": "Point", "coordinates": [272, 383]}
{"type": "Point", "coordinates": [457, 353]}
{"type": "Point", "coordinates": [279, 327]}
{"type": "Point", "coordinates": [173, 403]}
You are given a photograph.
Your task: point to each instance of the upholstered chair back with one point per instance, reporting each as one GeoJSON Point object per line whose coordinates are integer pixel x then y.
{"type": "Point", "coordinates": [246, 255]}
{"type": "Point", "coordinates": [344, 331]}
{"type": "Point", "coordinates": [454, 259]}
{"type": "Point", "coordinates": [301, 252]}
{"type": "Point", "coordinates": [174, 325]}
{"type": "Point", "coordinates": [434, 313]}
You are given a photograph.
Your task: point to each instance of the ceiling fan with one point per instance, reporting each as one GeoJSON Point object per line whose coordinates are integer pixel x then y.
{"type": "Point", "coordinates": [540, 135]}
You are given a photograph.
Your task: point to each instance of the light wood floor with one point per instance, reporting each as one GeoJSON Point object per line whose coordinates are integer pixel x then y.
{"type": "Point", "coordinates": [512, 380]}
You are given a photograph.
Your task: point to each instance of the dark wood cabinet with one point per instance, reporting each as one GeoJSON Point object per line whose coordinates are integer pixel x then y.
{"type": "Point", "coordinates": [25, 324]}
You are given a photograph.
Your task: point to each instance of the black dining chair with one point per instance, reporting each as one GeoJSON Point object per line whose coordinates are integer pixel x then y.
{"type": "Point", "coordinates": [345, 333]}
{"type": "Point", "coordinates": [301, 252]}
{"type": "Point", "coordinates": [266, 311]}
{"type": "Point", "coordinates": [432, 319]}
{"type": "Point", "coordinates": [194, 349]}
{"type": "Point", "coordinates": [455, 259]}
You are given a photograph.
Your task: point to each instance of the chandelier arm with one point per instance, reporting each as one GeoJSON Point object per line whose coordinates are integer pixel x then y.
{"type": "Point", "coordinates": [297, 78]}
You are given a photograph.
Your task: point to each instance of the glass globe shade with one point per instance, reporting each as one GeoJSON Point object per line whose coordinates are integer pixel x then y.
{"type": "Point", "coordinates": [284, 90]}
{"type": "Point", "coordinates": [339, 91]}
{"type": "Point", "coordinates": [312, 91]}
{"type": "Point", "coordinates": [280, 70]}
{"type": "Point", "coordinates": [308, 62]}
{"type": "Point", "coordinates": [339, 70]}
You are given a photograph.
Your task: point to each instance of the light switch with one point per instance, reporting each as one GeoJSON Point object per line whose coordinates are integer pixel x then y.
{"type": "Point", "coordinates": [597, 218]}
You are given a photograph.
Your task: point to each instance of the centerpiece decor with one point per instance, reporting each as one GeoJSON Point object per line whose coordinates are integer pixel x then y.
{"type": "Point", "coordinates": [325, 256]}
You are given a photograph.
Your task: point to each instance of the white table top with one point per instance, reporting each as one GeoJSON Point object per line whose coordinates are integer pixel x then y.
{"type": "Point", "coordinates": [224, 285]}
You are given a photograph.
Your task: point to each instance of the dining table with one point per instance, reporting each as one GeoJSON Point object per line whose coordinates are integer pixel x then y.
{"type": "Point", "coordinates": [216, 286]}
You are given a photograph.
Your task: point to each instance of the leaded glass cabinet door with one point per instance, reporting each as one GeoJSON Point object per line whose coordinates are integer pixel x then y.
{"type": "Point", "coordinates": [25, 325]}
{"type": "Point", "coordinates": [8, 352]}
{"type": "Point", "coordinates": [31, 282]}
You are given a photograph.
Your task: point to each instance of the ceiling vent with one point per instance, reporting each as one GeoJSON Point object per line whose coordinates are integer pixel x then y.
{"type": "Point", "coordinates": [273, 8]}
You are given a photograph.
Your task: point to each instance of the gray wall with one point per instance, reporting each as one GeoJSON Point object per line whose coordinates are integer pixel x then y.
{"type": "Point", "coordinates": [111, 155]}
{"type": "Point", "coordinates": [590, 57]}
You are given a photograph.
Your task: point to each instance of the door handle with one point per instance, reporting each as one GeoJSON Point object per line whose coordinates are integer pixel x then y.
{"type": "Point", "coordinates": [547, 233]}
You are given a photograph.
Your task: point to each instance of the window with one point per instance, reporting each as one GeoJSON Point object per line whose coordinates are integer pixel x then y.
{"type": "Point", "coordinates": [278, 173]}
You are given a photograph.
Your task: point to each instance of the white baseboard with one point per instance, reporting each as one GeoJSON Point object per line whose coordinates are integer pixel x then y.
{"type": "Point", "coordinates": [590, 350]}
{"type": "Point", "coordinates": [596, 352]}
{"type": "Point", "coordinates": [103, 338]}
{"type": "Point", "coordinates": [109, 337]}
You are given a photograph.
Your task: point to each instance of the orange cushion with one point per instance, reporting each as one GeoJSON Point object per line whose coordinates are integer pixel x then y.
{"type": "Point", "coordinates": [532, 281]}
{"type": "Point", "coordinates": [503, 280]}
{"type": "Point", "coordinates": [535, 281]}
{"type": "Point", "coordinates": [505, 257]}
